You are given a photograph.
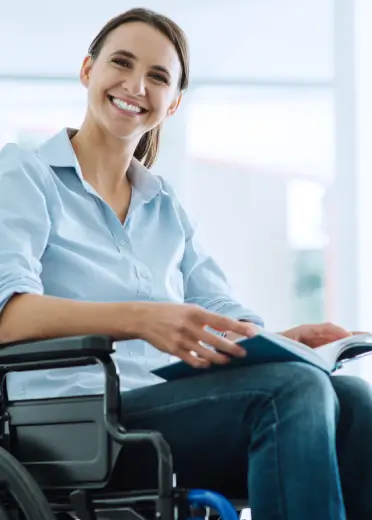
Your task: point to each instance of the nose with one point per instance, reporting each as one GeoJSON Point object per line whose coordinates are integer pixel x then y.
{"type": "Point", "coordinates": [135, 85]}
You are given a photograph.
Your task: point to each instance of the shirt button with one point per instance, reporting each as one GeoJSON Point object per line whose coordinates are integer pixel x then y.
{"type": "Point", "coordinates": [122, 242]}
{"type": "Point", "coordinates": [145, 274]}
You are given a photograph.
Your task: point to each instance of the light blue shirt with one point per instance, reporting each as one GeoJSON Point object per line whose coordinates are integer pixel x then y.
{"type": "Point", "coordinates": [58, 237]}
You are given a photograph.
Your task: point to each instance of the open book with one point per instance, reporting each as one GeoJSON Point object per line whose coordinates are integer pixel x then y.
{"type": "Point", "coordinates": [267, 347]}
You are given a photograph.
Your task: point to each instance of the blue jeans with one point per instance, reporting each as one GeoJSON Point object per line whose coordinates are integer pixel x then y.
{"type": "Point", "coordinates": [298, 442]}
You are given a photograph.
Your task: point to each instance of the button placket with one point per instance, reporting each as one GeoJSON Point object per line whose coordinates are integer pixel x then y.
{"type": "Point", "coordinates": [145, 281]}
{"type": "Point", "coordinates": [122, 243]}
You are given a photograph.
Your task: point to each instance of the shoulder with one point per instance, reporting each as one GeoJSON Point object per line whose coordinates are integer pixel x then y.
{"type": "Point", "coordinates": [188, 222]}
{"type": "Point", "coordinates": [18, 163]}
{"type": "Point", "coordinates": [168, 190]}
{"type": "Point", "coordinates": [166, 187]}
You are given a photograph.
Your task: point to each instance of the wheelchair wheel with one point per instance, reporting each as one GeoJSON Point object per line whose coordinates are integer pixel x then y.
{"type": "Point", "coordinates": [3, 514]}
{"type": "Point", "coordinates": [23, 489]}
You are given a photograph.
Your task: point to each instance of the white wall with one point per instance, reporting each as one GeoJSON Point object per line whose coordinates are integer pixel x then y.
{"type": "Point", "coordinates": [352, 210]}
{"type": "Point", "coordinates": [272, 39]}
{"type": "Point", "coordinates": [243, 224]}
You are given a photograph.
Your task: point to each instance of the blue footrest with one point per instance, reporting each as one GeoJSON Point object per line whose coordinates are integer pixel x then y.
{"type": "Point", "coordinates": [204, 498]}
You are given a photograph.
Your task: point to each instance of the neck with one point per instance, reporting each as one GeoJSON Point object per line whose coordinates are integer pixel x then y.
{"type": "Point", "coordinates": [104, 160]}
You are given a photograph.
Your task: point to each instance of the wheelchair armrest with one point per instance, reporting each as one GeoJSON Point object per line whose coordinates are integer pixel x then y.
{"type": "Point", "coordinates": [56, 351]}
{"type": "Point", "coordinates": [78, 351]}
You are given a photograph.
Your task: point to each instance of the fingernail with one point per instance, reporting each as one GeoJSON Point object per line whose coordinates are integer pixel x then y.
{"type": "Point", "coordinates": [241, 352]}
{"type": "Point", "coordinates": [203, 364]}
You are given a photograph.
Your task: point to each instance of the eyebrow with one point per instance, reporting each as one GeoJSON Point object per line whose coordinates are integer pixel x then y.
{"type": "Point", "coordinates": [131, 56]}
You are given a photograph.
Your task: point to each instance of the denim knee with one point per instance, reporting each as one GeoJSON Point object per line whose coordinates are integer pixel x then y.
{"type": "Point", "coordinates": [295, 374]}
{"type": "Point", "coordinates": [299, 385]}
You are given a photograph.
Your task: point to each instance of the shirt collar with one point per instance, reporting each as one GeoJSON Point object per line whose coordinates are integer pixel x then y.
{"type": "Point", "coordinates": [57, 152]}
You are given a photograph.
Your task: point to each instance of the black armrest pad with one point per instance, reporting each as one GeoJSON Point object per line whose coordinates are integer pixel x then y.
{"type": "Point", "coordinates": [55, 349]}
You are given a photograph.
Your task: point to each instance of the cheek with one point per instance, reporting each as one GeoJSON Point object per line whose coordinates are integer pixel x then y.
{"type": "Point", "coordinates": [162, 103]}
{"type": "Point", "coordinates": [97, 94]}
{"type": "Point", "coordinates": [96, 99]}
{"type": "Point", "coordinates": [94, 94]}
{"type": "Point", "coordinates": [161, 113]}
{"type": "Point", "coordinates": [101, 80]}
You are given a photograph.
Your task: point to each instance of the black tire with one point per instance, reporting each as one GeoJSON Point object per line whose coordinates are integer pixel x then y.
{"type": "Point", "coordinates": [23, 488]}
{"type": "Point", "coordinates": [3, 514]}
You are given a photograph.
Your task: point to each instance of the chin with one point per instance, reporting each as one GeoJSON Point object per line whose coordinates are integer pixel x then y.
{"type": "Point", "coordinates": [122, 131]}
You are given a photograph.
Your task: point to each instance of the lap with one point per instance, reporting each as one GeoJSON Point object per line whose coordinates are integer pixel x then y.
{"type": "Point", "coordinates": [255, 382]}
{"type": "Point", "coordinates": [200, 417]}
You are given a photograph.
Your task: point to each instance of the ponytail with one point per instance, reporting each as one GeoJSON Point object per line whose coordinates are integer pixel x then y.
{"type": "Point", "coordinates": [148, 148]}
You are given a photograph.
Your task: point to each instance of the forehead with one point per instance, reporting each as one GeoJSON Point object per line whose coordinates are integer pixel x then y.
{"type": "Point", "coordinates": [146, 43]}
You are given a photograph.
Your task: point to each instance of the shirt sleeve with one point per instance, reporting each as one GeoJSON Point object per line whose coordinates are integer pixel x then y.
{"type": "Point", "coordinates": [205, 283]}
{"type": "Point", "coordinates": [24, 222]}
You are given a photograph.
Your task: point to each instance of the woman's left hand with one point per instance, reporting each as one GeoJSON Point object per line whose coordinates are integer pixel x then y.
{"type": "Point", "coordinates": [316, 335]}
{"type": "Point", "coordinates": [313, 336]}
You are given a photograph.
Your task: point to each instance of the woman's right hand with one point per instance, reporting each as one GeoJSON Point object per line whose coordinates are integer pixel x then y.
{"type": "Point", "coordinates": [180, 330]}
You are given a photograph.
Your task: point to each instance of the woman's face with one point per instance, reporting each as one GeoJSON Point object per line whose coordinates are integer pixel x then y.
{"type": "Point", "coordinates": [133, 84]}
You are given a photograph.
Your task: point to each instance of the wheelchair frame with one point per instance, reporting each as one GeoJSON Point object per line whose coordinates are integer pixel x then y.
{"type": "Point", "coordinates": [59, 478]}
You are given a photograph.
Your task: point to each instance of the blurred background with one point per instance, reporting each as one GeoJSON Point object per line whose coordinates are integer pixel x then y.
{"type": "Point", "coordinates": [269, 152]}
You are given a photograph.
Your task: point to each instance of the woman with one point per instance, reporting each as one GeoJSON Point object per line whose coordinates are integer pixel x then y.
{"type": "Point", "coordinates": [91, 242]}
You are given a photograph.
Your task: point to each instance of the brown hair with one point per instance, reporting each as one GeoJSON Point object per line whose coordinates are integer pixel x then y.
{"type": "Point", "coordinates": [148, 147]}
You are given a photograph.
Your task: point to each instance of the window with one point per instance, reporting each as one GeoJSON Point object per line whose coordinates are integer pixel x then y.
{"type": "Point", "coordinates": [31, 112]}
{"type": "Point", "coordinates": [265, 154]}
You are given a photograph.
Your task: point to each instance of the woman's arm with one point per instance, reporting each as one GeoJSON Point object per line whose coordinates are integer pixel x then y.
{"type": "Point", "coordinates": [34, 316]}
{"type": "Point", "coordinates": [174, 328]}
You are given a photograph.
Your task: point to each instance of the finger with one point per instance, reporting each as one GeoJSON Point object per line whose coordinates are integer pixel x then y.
{"type": "Point", "coordinates": [232, 336]}
{"type": "Point", "coordinates": [223, 323]}
{"type": "Point", "coordinates": [194, 361]}
{"type": "Point", "coordinates": [222, 344]}
{"type": "Point", "coordinates": [208, 354]}
{"type": "Point", "coordinates": [336, 331]}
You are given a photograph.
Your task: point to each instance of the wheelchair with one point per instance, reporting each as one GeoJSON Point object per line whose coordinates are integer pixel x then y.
{"type": "Point", "coordinates": [57, 456]}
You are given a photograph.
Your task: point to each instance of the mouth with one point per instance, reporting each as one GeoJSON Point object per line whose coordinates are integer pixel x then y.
{"type": "Point", "coordinates": [125, 107]}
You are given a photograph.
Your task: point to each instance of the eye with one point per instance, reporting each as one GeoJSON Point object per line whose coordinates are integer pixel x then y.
{"type": "Point", "coordinates": [160, 78]}
{"type": "Point", "coordinates": [122, 62]}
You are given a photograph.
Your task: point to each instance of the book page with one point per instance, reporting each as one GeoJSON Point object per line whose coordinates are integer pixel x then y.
{"type": "Point", "coordinates": [332, 351]}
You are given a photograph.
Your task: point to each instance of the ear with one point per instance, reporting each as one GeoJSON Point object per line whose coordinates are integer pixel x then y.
{"type": "Point", "coordinates": [175, 104]}
{"type": "Point", "coordinates": [85, 70]}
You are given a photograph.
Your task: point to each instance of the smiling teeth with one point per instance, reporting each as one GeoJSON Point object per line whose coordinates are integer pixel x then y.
{"type": "Point", "coordinates": [125, 106]}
